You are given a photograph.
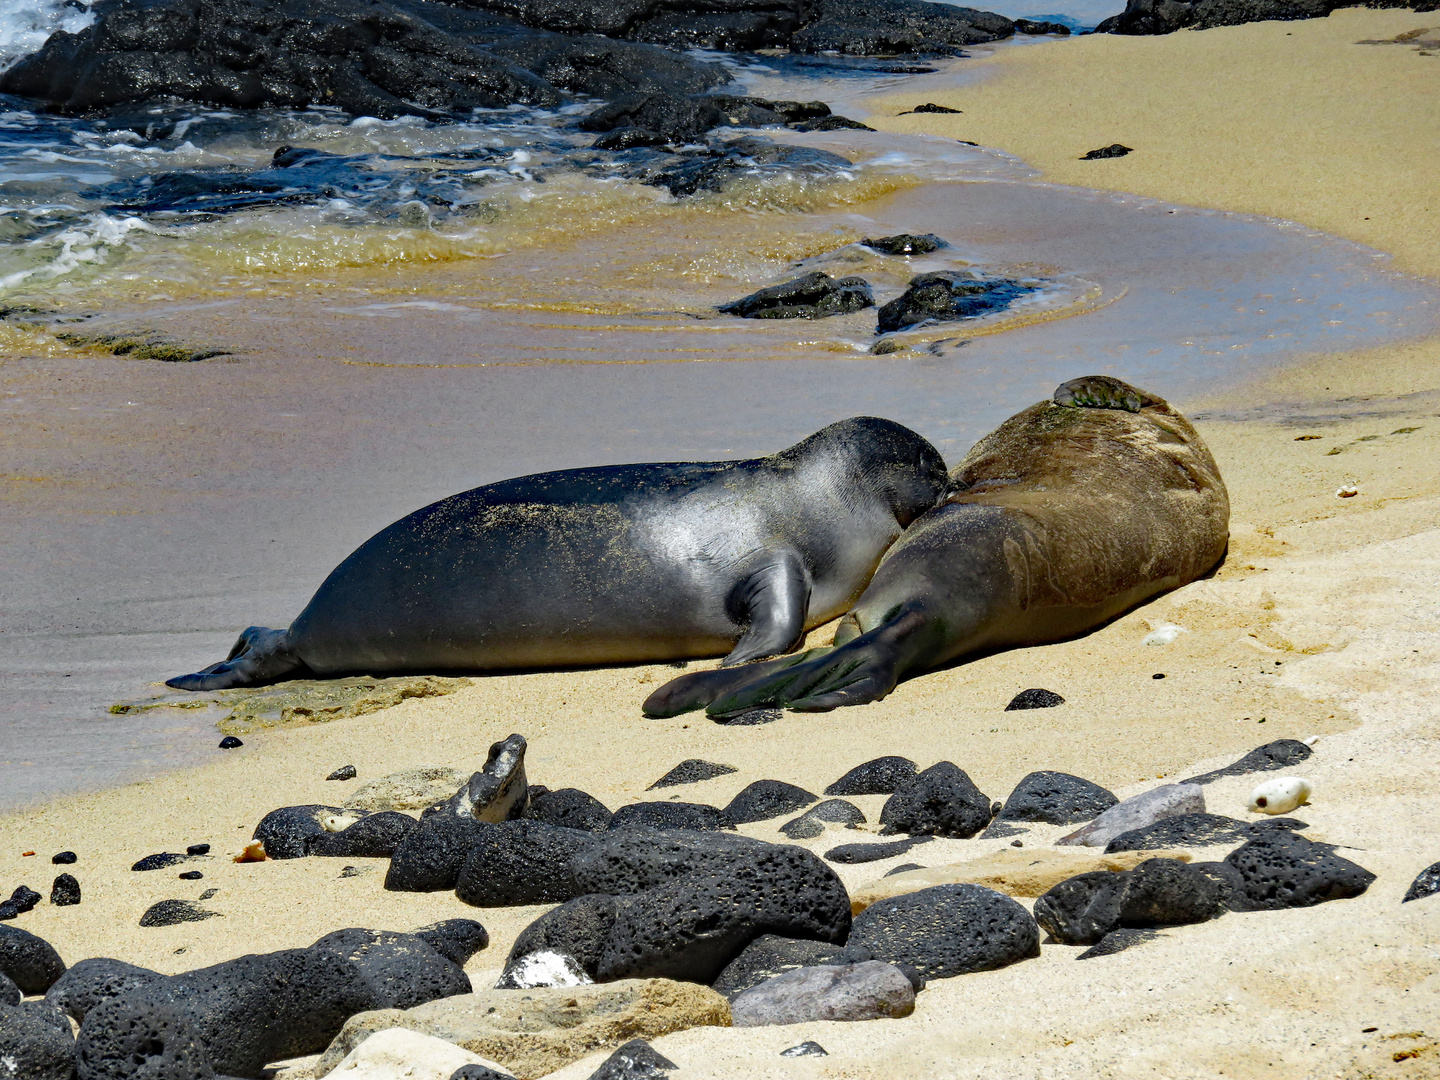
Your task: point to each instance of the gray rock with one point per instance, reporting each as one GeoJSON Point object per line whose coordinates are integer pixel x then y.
{"type": "Point", "coordinates": [770, 955]}
{"type": "Point", "coordinates": [865, 991]}
{"type": "Point", "coordinates": [1426, 883]}
{"type": "Point", "coordinates": [692, 771]}
{"type": "Point", "coordinates": [830, 812]}
{"type": "Point", "coordinates": [1159, 892]}
{"type": "Point", "coordinates": [522, 862]}
{"type": "Point", "coordinates": [30, 962]}
{"type": "Point", "coordinates": [569, 808]}
{"type": "Point", "coordinates": [409, 789]}
{"type": "Point", "coordinates": [766, 799]}
{"type": "Point", "coordinates": [429, 859]}
{"type": "Point", "coordinates": [1056, 798]}
{"type": "Point", "coordinates": [881, 776]}
{"type": "Point", "coordinates": [813, 296]}
{"type": "Point", "coordinates": [92, 981]}
{"type": "Point", "coordinates": [670, 815]}
{"type": "Point", "coordinates": [1138, 811]}
{"type": "Point", "coordinates": [808, 1048]}
{"type": "Point", "coordinates": [941, 801]}
{"type": "Point", "coordinates": [636, 1060]}
{"type": "Point", "coordinates": [65, 891]}
{"type": "Point", "coordinates": [1280, 754]}
{"type": "Point", "coordinates": [947, 930]}
{"type": "Point", "coordinates": [499, 791]}
{"type": "Point", "coordinates": [174, 912]}
{"type": "Point", "coordinates": [1197, 830]}
{"type": "Point", "coordinates": [33, 1048]}
{"type": "Point", "coordinates": [851, 854]}
{"type": "Point", "coordinates": [1282, 870]}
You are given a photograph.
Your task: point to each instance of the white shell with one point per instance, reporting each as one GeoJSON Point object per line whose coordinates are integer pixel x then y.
{"type": "Point", "coordinates": [1280, 795]}
{"type": "Point", "coordinates": [1164, 634]}
{"type": "Point", "coordinates": [337, 822]}
{"type": "Point", "coordinates": [1349, 491]}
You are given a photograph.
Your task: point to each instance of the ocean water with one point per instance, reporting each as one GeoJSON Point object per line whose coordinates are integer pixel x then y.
{"type": "Point", "coordinates": [398, 310]}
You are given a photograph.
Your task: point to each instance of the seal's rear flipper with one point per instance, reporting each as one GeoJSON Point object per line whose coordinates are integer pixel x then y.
{"type": "Point", "coordinates": [699, 688]}
{"type": "Point", "coordinates": [260, 656]}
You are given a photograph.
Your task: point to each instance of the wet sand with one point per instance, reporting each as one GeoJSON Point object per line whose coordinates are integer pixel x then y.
{"type": "Point", "coordinates": [1322, 622]}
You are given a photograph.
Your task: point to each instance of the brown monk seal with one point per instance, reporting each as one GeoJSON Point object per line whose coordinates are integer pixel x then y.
{"type": "Point", "coordinates": [612, 564]}
{"type": "Point", "coordinates": [1068, 514]}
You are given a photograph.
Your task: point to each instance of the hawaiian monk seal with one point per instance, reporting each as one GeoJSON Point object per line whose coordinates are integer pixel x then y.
{"type": "Point", "coordinates": [612, 564]}
{"type": "Point", "coordinates": [1071, 512]}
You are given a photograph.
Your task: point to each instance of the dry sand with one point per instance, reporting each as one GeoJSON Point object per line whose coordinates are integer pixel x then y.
{"type": "Point", "coordinates": [1325, 620]}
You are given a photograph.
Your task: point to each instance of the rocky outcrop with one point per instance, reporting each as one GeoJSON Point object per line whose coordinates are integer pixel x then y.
{"type": "Point", "coordinates": [1143, 17]}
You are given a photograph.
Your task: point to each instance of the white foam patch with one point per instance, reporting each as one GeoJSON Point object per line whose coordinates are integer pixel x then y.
{"type": "Point", "coordinates": [25, 25]}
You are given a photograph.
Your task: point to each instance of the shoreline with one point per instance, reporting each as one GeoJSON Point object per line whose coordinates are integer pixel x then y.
{"type": "Point", "coordinates": [1344, 610]}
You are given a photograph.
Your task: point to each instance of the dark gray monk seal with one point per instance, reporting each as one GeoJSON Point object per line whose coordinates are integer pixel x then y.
{"type": "Point", "coordinates": [612, 564]}
{"type": "Point", "coordinates": [1067, 515]}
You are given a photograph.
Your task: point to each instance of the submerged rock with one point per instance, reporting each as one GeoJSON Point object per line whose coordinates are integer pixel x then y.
{"type": "Point", "coordinates": [947, 296]}
{"type": "Point", "coordinates": [723, 162]}
{"type": "Point", "coordinates": [814, 296]}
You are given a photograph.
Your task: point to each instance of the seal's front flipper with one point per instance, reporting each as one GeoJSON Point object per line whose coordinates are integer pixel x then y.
{"type": "Point", "coordinates": [260, 656]}
{"type": "Point", "coordinates": [1102, 392]}
{"type": "Point", "coordinates": [770, 603]}
{"type": "Point", "coordinates": [699, 688]}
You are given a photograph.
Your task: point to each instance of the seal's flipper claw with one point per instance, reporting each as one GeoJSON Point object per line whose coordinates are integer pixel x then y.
{"type": "Point", "coordinates": [1101, 392]}
{"type": "Point", "coordinates": [260, 656]}
{"type": "Point", "coordinates": [699, 688]}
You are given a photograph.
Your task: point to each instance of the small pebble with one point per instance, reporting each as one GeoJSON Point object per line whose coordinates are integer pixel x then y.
{"type": "Point", "coordinates": [230, 742]}
{"type": "Point", "coordinates": [1016, 843]}
{"type": "Point", "coordinates": [65, 858]}
{"type": "Point", "coordinates": [24, 899]}
{"type": "Point", "coordinates": [809, 1048]}
{"type": "Point", "coordinates": [1346, 492]}
{"type": "Point", "coordinates": [354, 871]}
{"type": "Point", "coordinates": [1035, 698]}
{"type": "Point", "coordinates": [208, 893]}
{"type": "Point", "coordinates": [173, 912]}
{"type": "Point", "coordinates": [1158, 675]}
{"type": "Point", "coordinates": [198, 849]}
{"type": "Point", "coordinates": [1112, 151]}
{"type": "Point", "coordinates": [191, 875]}
{"type": "Point", "coordinates": [65, 892]}
{"type": "Point", "coordinates": [345, 772]}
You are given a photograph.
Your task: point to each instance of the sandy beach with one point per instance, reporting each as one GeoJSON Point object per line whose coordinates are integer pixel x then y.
{"type": "Point", "coordinates": [1324, 621]}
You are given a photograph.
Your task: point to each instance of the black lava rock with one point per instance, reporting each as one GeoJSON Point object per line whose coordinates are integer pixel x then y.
{"type": "Point", "coordinates": [34, 1048]}
{"type": "Point", "coordinates": [760, 112]}
{"type": "Point", "coordinates": [896, 27]}
{"type": "Point", "coordinates": [230, 742]}
{"type": "Point", "coordinates": [345, 772]}
{"type": "Point", "coordinates": [832, 812]}
{"type": "Point", "coordinates": [1118, 941]}
{"type": "Point", "coordinates": [569, 808]}
{"type": "Point", "coordinates": [242, 1014]}
{"type": "Point", "coordinates": [1112, 151]}
{"type": "Point", "coordinates": [667, 117]}
{"type": "Point", "coordinates": [670, 815]}
{"type": "Point", "coordinates": [479, 1072]}
{"type": "Point", "coordinates": [767, 956]}
{"type": "Point", "coordinates": [863, 853]}
{"type": "Point", "coordinates": [1035, 698]}
{"type": "Point", "coordinates": [1030, 26]}
{"type": "Point", "coordinates": [174, 912]}
{"type": "Point", "coordinates": [683, 905]}
{"type": "Point", "coordinates": [1197, 830]}
{"type": "Point", "coordinates": [721, 162]}
{"type": "Point", "coordinates": [882, 776]}
{"type": "Point", "coordinates": [198, 849]}
{"type": "Point", "coordinates": [814, 296]}
{"type": "Point", "coordinates": [947, 930]}
{"type": "Point", "coordinates": [692, 771]}
{"type": "Point", "coordinates": [23, 899]}
{"type": "Point", "coordinates": [31, 962]}
{"type": "Point", "coordinates": [1158, 892]}
{"type": "Point", "coordinates": [160, 861]}
{"type": "Point", "coordinates": [9, 993]}
{"type": "Point", "coordinates": [429, 859]}
{"type": "Point", "coordinates": [636, 1060]}
{"type": "Point", "coordinates": [65, 892]}
{"type": "Point", "coordinates": [1426, 883]}
{"type": "Point", "coordinates": [1280, 754]}
{"type": "Point", "coordinates": [947, 296]}
{"type": "Point", "coordinates": [287, 832]}
{"type": "Point", "coordinates": [931, 107]}
{"type": "Point", "coordinates": [835, 123]}
{"type": "Point", "coordinates": [92, 981]}
{"type": "Point", "coordinates": [909, 243]}
{"type": "Point", "coordinates": [373, 837]}
{"type": "Point", "coordinates": [1167, 16]}
{"type": "Point", "coordinates": [65, 858]}
{"type": "Point", "coordinates": [455, 939]}
{"type": "Point", "coordinates": [766, 799]}
{"type": "Point", "coordinates": [941, 801]}
{"type": "Point", "coordinates": [522, 862]}
{"type": "Point", "coordinates": [1283, 870]}
{"type": "Point", "coordinates": [1056, 798]}
{"type": "Point", "coordinates": [190, 875]}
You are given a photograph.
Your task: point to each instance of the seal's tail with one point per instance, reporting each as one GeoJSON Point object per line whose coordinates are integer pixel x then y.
{"type": "Point", "coordinates": [260, 656]}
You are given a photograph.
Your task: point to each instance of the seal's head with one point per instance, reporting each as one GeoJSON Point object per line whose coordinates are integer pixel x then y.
{"type": "Point", "coordinates": [877, 456]}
